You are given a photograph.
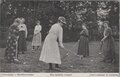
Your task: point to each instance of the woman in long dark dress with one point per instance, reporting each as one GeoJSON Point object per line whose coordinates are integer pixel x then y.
{"type": "Point", "coordinates": [83, 48]}
{"type": "Point", "coordinates": [108, 44]}
{"type": "Point", "coordinates": [22, 47]}
{"type": "Point", "coordinates": [11, 47]}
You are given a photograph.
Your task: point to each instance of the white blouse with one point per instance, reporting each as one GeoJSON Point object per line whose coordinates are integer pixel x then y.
{"type": "Point", "coordinates": [58, 31]}
{"type": "Point", "coordinates": [22, 27]}
{"type": "Point", "coordinates": [37, 29]}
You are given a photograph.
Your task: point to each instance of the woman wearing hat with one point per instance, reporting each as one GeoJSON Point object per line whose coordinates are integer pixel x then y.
{"type": "Point", "coordinates": [22, 36]}
{"type": "Point", "coordinates": [11, 48]}
{"type": "Point", "coordinates": [108, 44]}
{"type": "Point", "coordinates": [50, 50]}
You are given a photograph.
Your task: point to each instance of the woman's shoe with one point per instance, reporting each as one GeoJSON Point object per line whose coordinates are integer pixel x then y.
{"type": "Point", "coordinates": [81, 57]}
{"type": "Point", "coordinates": [57, 66]}
{"type": "Point", "coordinates": [50, 66]}
{"type": "Point", "coordinates": [23, 52]}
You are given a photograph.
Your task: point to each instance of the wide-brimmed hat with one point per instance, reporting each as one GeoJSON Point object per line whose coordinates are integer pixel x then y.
{"type": "Point", "coordinates": [62, 19]}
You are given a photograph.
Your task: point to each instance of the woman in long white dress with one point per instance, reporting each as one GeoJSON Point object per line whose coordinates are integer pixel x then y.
{"type": "Point", "coordinates": [50, 50]}
{"type": "Point", "coordinates": [37, 36]}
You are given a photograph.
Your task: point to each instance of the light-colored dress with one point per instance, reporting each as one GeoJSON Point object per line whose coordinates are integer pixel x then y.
{"type": "Point", "coordinates": [50, 51]}
{"type": "Point", "coordinates": [37, 36]}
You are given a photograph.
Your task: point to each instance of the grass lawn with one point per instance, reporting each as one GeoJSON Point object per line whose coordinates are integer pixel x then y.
{"type": "Point", "coordinates": [71, 63]}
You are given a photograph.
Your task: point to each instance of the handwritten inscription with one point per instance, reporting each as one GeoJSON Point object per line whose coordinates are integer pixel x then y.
{"type": "Point", "coordinates": [59, 75]}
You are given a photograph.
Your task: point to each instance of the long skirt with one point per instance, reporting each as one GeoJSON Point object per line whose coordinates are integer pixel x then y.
{"type": "Point", "coordinates": [11, 49]}
{"type": "Point", "coordinates": [108, 49]}
{"type": "Point", "coordinates": [36, 40]}
{"type": "Point", "coordinates": [83, 48]}
{"type": "Point", "coordinates": [50, 50]}
{"type": "Point", "coordinates": [22, 42]}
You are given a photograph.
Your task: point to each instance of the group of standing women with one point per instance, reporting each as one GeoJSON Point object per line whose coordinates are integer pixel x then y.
{"type": "Point", "coordinates": [16, 42]}
{"type": "Point", "coordinates": [50, 50]}
{"type": "Point", "coordinates": [107, 44]}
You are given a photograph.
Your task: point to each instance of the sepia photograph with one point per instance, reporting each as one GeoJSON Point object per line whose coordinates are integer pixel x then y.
{"type": "Point", "coordinates": [59, 36]}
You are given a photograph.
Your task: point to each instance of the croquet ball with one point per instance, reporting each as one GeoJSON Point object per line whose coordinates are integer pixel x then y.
{"type": "Point", "coordinates": [71, 66]}
{"type": "Point", "coordinates": [100, 53]}
{"type": "Point", "coordinates": [67, 54]}
{"type": "Point", "coordinates": [91, 60]}
{"type": "Point", "coordinates": [24, 62]}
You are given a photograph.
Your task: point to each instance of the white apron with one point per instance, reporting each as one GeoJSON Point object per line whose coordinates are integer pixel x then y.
{"type": "Point", "coordinates": [37, 36]}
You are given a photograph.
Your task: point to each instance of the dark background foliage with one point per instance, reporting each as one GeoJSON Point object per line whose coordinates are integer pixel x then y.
{"type": "Point", "coordinates": [75, 12]}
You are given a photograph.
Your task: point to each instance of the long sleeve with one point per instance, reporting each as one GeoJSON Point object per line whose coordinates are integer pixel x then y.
{"type": "Point", "coordinates": [87, 32]}
{"type": "Point", "coordinates": [14, 31]}
{"type": "Point", "coordinates": [17, 31]}
{"type": "Point", "coordinates": [26, 31]}
{"type": "Point", "coordinates": [84, 32]}
{"type": "Point", "coordinates": [108, 32]}
{"type": "Point", "coordinates": [61, 36]}
{"type": "Point", "coordinates": [40, 27]}
{"type": "Point", "coordinates": [37, 29]}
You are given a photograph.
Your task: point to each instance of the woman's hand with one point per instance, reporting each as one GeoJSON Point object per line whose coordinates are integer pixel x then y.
{"type": "Point", "coordinates": [17, 37]}
{"type": "Point", "coordinates": [26, 36]}
{"type": "Point", "coordinates": [61, 45]}
{"type": "Point", "coordinates": [102, 40]}
{"type": "Point", "coordinates": [35, 34]}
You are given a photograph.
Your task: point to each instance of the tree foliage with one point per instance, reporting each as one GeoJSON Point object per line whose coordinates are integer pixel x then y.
{"type": "Point", "coordinates": [93, 13]}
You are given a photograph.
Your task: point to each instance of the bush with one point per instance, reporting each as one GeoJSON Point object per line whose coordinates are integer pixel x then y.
{"type": "Point", "coordinates": [3, 37]}
{"type": "Point", "coordinates": [30, 37]}
{"type": "Point", "coordinates": [2, 43]}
